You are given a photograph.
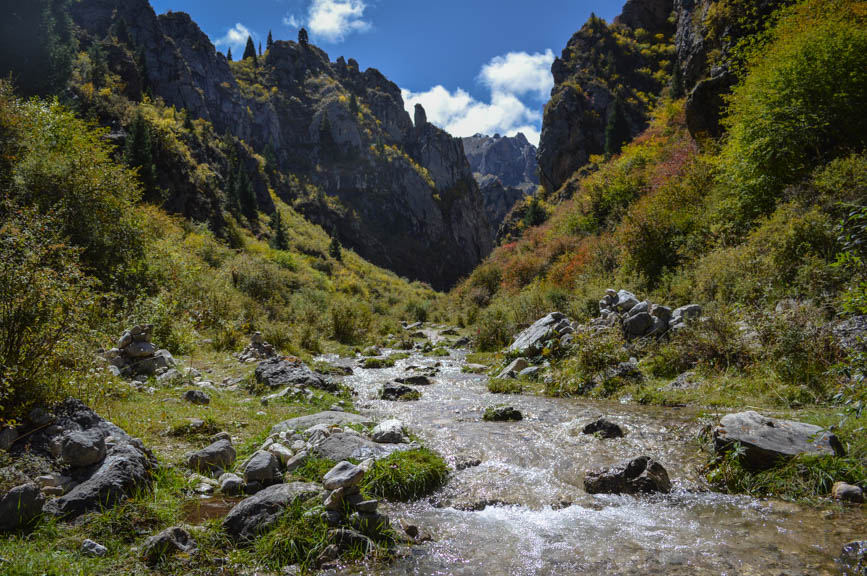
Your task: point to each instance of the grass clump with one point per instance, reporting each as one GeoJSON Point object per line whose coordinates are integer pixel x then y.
{"type": "Point", "coordinates": [313, 469]}
{"type": "Point", "coordinates": [377, 363]}
{"type": "Point", "coordinates": [299, 537]}
{"type": "Point", "coordinates": [406, 475]}
{"type": "Point", "coordinates": [505, 386]}
{"type": "Point", "coordinates": [192, 429]}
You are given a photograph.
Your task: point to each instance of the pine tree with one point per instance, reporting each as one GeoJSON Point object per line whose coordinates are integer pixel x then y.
{"type": "Point", "coordinates": [279, 238]}
{"type": "Point", "coordinates": [250, 50]}
{"type": "Point", "coordinates": [229, 55]}
{"type": "Point", "coordinates": [303, 39]}
{"type": "Point", "coordinates": [120, 31]}
{"type": "Point", "coordinates": [260, 48]}
{"type": "Point", "coordinates": [617, 131]}
{"type": "Point", "coordinates": [188, 121]}
{"type": "Point", "coordinates": [245, 194]}
{"type": "Point", "coordinates": [535, 214]}
{"type": "Point", "coordinates": [139, 154]}
{"type": "Point", "coordinates": [233, 202]}
{"type": "Point", "coordinates": [270, 160]}
{"type": "Point", "coordinates": [270, 43]}
{"type": "Point", "coordinates": [335, 250]}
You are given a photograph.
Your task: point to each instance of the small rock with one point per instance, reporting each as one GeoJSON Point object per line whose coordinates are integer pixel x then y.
{"type": "Point", "coordinates": [530, 372]}
{"type": "Point", "coordinates": [8, 436]}
{"type": "Point", "coordinates": [416, 380]}
{"type": "Point", "coordinates": [262, 467]}
{"type": "Point", "coordinates": [393, 391]}
{"type": "Point", "coordinates": [167, 543]}
{"type": "Point", "coordinates": [847, 493]}
{"type": "Point", "coordinates": [367, 506]}
{"type": "Point", "coordinates": [197, 397]}
{"type": "Point", "coordinates": [502, 414]}
{"type": "Point", "coordinates": [640, 475]}
{"type": "Point", "coordinates": [280, 452]}
{"type": "Point", "coordinates": [91, 548]}
{"type": "Point", "coordinates": [513, 368]}
{"type": "Point", "coordinates": [296, 461]}
{"type": "Point", "coordinates": [231, 484]}
{"type": "Point", "coordinates": [219, 455]}
{"type": "Point", "coordinates": [389, 432]}
{"type": "Point", "coordinates": [20, 506]}
{"type": "Point", "coordinates": [256, 514]}
{"type": "Point", "coordinates": [334, 500]}
{"type": "Point", "coordinates": [604, 428]}
{"type": "Point", "coordinates": [463, 461]}
{"type": "Point", "coordinates": [343, 475]}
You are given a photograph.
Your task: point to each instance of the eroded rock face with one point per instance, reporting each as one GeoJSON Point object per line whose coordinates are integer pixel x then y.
{"type": "Point", "coordinates": [767, 441]}
{"type": "Point", "coordinates": [256, 514]}
{"type": "Point", "coordinates": [642, 475]}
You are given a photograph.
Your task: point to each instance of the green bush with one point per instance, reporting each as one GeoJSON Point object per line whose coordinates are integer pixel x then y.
{"type": "Point", "coordinates": [493, 330]}
{"type": "Point", "coordinates": [350, 321]}
{"type": "Point", "coordinates": [505, 386]}
{"type": "Point", "coordinates": [801, 103]}
{"type": "Point", "coordinates": [44, 295]}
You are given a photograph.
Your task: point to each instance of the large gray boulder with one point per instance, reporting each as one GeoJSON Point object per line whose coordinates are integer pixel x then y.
{"type": "Point", "coordinates": [263, 468]}
{"type": "Point", "coordinates": [641, 475]}
{"type": "Point", "coordinates": [125, 469]}
{"type": "Point", "coordinates": [256, 514]}
{"type": "Point", "coordinates": [219, 455]}
{"type": "Point", "coordinates": [329, 418]}
{"type": "Point", "coordinates": [532, 340]}
{"type": "Point", "coordinates": [277, 373]}
{"type": "Point", "coordinates": [346, 446]}
{"type": "Point", "coordinates": [344, 475]}
{"type": "Point", "coordinates": [20, 506]}
{"type": "Point", "coordinates": [766, 441]}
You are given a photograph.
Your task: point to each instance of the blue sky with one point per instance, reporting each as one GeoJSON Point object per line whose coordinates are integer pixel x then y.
{"type": "Point", "coordinates": [475, 65]}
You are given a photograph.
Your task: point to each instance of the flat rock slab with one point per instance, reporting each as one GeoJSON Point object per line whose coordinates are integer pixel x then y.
{"type": "Point", "coordinates": [329, 418]}
{"type": "Point", "coordinates": [254, 515]}
{"type": "Point", "coordinates": [767, 441]}
{"type": "Point", "coordinates": [345, 446]}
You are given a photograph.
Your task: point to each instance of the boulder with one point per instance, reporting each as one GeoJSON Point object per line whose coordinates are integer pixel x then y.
{"type": "Point", "coordinates": [162, 359]}
{"type": "Point", "coordinates": [389, 432]}
{"type": "Point", "coordinates": [254, 515]}
{"type": "Point", "coordinates": [688, 312]}
{"type": "Point", "coordinates": [8, 436]}
{"type": "Point", "coordinates": [262, 467]}
{"type": "Point", "coordinates": [766, 441]}
{"type": "Point", "coordinates": [218, 456]}
{"type": "Point", "coordinates": [196, 397]}
{"type": "Point", "coordinates": [167, 543]}
{"type": "Point", "coordinates": [638, 325]}
{"type": "Point", "coordinates": [502, 414]}
{"type": "Point", "coordinates": [530, 373]}
{"type": "Point", "coordinates": [346, 446]}
{"type": "Point", "coordinates": [20, 506]}
{"type": "Point", "coordinates": [344, 475]}
{"type": "Point", "coordinates": [282, 372]}
{"type": "Point", "coordinates": [329, 418]}
{"type": "Point", "coordinates": [626, 301]}
{"type": "Point", "coordinates": [395, 391]}
{"type": "Point", "coordinates": [513, 368]}
{"type": "Point", "coordinates": [847, 493]}
{"type": "Point", "coordinates": [140, 350]}
{"type": "Point", "coordinates": [641, 475]}
{"type": "Point", "coordinates": [532, 340]}
{"type": "Point", "coordinates": [82, 448]}
{"type": "Point", "coordinates": [604, 428]}
{"type": "Point", "coordinates": [125, 469]}
{"type": "Point", "coordinates": [282, 453]}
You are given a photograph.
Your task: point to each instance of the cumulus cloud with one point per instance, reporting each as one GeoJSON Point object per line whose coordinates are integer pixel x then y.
{"type": "Point", "coordinates": [332, 20]}
{"type": "Point", "coordinates": [235, 37]}
{"type": "Point", "coordinates": [509, 78]}
{"type": "Point", "coordinates": [520, 73]}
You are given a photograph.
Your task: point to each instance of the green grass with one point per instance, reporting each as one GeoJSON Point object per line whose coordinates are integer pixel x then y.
{"type": "Point", "coordinates": [313, 470]}
{"type": "Point", "coordinates": [406, 475]}
{"type": "Point", "coordinates": [377, 363]}
{"type": "Point", "coordinates": [438, 352]}
{"type": "Point", "coordinates": [505, 386]}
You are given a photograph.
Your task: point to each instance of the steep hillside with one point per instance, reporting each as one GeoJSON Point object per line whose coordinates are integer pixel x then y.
{"type": "Point", "coordinates": [339, 145]}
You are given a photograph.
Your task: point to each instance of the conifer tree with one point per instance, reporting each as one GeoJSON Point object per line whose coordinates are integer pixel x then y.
{"type": "Point", "coordinates": [279, 238]}
{"type": "Point", "coordinates": [229, 55]}
{"type": "Point", "coordinates": [617, 128]}
{"type": "Point", "coordinates": [303, 39]}
{"type": "Point", "coordinates": [335, 249]}
{"type": "Point", "coordinates": [250, 50]}
{"type": "Point", "coordinates": [270, 43]}
{"type": "Point", "coordinates": [245, 194]}
{"type": "Point", "coordinates": [139, 154]}
{"type": "Point", "coordinates": [260, 48]}
{"type": "Point", "coordinates": [120, 31]}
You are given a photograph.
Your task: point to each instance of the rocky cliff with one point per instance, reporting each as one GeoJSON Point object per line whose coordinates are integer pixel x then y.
{"type": "Point", "coordinates": [340, 145]}
{"type": "Point", "coordinates": [505, 169]}
{"type": "Point", "coordinates": [609, 76]}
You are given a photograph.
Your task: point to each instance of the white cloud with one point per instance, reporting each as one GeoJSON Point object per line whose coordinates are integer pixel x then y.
{"type": "Point", "coordinates": [292, 21]}
{"type": "Point", "coordinates": [235, 38]}
{"type": "Point", "coordinates": [520, 73]}
{"type": "Point", "coordinates": [333, 20]}
{"type": "Point", "coordinates": [508, 77]}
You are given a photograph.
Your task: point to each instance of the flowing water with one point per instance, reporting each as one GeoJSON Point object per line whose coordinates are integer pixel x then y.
{"type": "Point", "coordinates": [523, 510]}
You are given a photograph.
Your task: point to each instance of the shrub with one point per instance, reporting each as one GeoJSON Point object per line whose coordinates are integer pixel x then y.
{"type": "Point", "coordinates": [350, 321]}
{"type": "Point", "coordinates": [406, 475]}
{"type": "Point", "coordinates": [44, 295]}
{"type": "Point", "coordinates": [493, 330]}
{"type": "Point", "coordinates": [417, 310]}
{"type": "Point", "coordinates": [801, 104]}
{"type": "Point", "coordinates": [505, 386]}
